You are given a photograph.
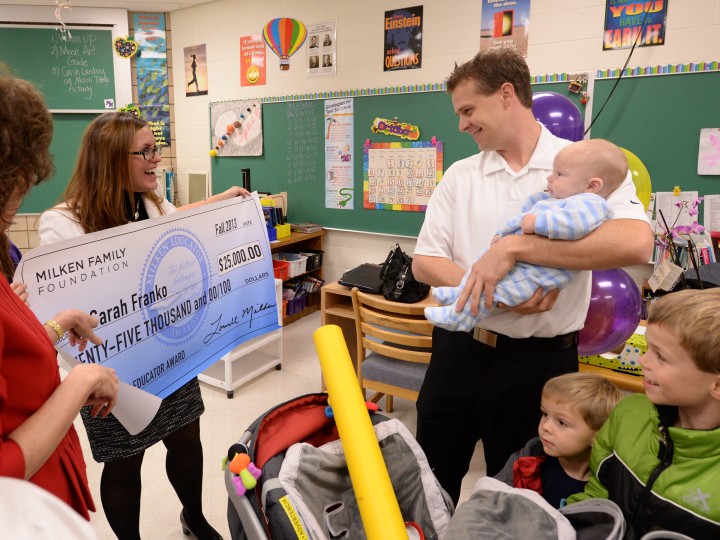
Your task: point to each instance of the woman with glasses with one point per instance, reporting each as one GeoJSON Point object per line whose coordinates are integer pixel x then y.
{"type": "Point", "coordinates": [113, 184]}
{"type": "Point", "coordinates": [38, 442]}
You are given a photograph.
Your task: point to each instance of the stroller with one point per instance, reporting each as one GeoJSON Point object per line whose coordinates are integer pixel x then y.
{"type": "Point", "coordinates": [303, 488]}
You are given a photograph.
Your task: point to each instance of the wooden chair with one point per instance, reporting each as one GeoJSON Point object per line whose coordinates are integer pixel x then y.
{"type": "Point", "coordinates": [397, 339]}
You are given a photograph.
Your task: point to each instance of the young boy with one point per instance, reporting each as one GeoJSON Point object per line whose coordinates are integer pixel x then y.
{"type": "Point", "coordinates": [584, 174]}
{"type": "Point", "coordinates": [556, 463]}
{"type": "Point", "coordinates": [658, 455]}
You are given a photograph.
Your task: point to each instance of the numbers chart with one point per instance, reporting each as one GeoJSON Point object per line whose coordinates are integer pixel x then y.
{"type": "Point", "coordinates": [401, 175]}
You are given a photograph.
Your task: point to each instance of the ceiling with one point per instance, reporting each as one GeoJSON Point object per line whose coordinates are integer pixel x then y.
{"type": "Point", "coordinates": [130, 5]}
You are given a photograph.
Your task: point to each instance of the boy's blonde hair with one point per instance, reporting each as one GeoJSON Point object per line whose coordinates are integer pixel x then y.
{"type": "Point", "coordinates": [694, 317]}
{"type": "Point", "coordinates": [594, 395]}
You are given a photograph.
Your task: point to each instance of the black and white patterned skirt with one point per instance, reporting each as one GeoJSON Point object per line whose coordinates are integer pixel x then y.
{"type": "Point", "coordinates": [110, 441]}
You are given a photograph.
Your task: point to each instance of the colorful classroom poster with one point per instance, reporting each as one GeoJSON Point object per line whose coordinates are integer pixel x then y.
{"type": "Point", "coordinates": [505, 24]}
{"type": "Point", "coordinates": [252, 60]}
{"type": "Point", "coordinates": [196, 78]}
{"type": "Point", "coordinates": [339, 176]}
{"type": "Point", "coordinates": [403, 39]}
{"type": "Point", "coordinates": [237, 127]}
{"type": "Point", "coordinates": [401, 175]}
{"type": "Point", "coordinates": [152, 74]}
{"type": "Point", "coordinates": [628, 22]}
{"type": "Point", "coordinates": [321, 50]}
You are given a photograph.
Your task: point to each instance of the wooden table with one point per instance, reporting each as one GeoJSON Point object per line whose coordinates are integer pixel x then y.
{"type": "Point", "coordinates": [624, 381]}
{"type": "Point", "coordinates": [336, 308]}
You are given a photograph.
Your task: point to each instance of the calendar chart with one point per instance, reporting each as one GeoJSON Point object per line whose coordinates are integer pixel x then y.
{"type": "Point", "coordinates": [401, 175]}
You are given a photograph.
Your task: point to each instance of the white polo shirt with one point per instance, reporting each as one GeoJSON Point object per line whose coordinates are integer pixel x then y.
{"type": "Point", "coordinates": [476, 196]}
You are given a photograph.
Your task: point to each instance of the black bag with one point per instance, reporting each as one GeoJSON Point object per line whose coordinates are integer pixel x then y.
{"type": "Point", "coordinates": [398, 283]}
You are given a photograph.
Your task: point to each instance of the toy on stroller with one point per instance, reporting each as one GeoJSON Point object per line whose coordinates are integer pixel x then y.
{"type": "Point", "coordinates": [304, 489]}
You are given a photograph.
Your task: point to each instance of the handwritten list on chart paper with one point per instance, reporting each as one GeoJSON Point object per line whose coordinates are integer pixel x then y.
{"type": "Point", "coordinates": [304, 142]}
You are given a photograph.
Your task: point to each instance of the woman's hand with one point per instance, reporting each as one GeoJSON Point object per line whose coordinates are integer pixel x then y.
{"type": "Point", "coordinates": [231, 193]}
{"type": "Point", "coordinates": [102, 385]}
{"type": "Point", "coordinates": [21, 290]}
{"type": "Point", "coordinates": [78, 326]}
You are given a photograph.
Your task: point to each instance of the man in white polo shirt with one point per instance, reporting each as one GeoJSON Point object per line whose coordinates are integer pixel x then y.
{"type": "Point", "coordinates": [486, 384]}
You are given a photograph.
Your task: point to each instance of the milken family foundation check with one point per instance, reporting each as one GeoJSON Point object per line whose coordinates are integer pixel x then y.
{"type": "Point", "coordinates": [172, 294]}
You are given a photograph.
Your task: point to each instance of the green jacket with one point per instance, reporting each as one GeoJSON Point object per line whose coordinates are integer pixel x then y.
{"type": "Point", "coordinates": [661, 477]}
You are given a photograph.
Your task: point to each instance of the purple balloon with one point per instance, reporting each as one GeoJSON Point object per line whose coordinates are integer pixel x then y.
{"type": "Point", "coordinates": [614, 312]}
{"type": "Point", "coordinates": [559, 114]}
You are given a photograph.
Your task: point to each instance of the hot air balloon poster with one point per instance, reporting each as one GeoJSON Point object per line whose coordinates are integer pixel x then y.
{"type": "Point", "coordinates": [284, 36]}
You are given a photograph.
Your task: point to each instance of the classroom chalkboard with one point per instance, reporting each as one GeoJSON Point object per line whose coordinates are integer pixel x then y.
{"type": "Point", "coordinates": [68, 130]}
{"type": "Point", "coordinates": [75, 74]}
{"type": "Point", "coordinates": [293, 156]}
{"type": "Point", "coordinates": [658, 118]}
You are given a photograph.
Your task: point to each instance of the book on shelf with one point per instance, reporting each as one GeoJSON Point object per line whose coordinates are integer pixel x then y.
{"type": "Point", "coordinates": [305, 227]}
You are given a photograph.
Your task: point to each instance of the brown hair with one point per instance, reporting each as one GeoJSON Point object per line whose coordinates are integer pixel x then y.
{"type": "Point", "coordinates": [692, 315]}
{"type": "Point", "coordinates": [594, 395]}
{"type": "Point", "coordinates": [26, 128]}
{"type": "Point", "coordinates": [100, 187]}
{"type": "Point", "coordinates": [492, 68]}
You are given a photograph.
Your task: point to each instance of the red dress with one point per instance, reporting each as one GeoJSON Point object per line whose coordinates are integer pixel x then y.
{"type": "Point", "coordinates": [28, 376]}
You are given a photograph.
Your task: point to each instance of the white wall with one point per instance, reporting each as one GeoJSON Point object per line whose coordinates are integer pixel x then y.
{"type": "Point", "coordinates": [564, 37]}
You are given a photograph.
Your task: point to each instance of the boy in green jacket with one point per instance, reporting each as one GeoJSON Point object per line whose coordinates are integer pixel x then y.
{"type": "Point", "coordinates": [658, 455]}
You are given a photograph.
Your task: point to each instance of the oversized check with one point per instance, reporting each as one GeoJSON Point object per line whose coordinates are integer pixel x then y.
{"type": "Point", "coordinates": [173, 294]}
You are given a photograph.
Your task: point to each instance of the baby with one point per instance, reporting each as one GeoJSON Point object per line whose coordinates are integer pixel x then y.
{"type": "Point", "coordinates": [584, 174]}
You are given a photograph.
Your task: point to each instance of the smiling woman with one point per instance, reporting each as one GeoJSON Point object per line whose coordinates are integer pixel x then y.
{"type": "Point", "coordinates": [114, 183]}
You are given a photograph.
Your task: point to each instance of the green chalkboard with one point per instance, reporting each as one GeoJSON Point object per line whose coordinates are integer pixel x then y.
{"type": "Point", "coordinates": [659, 118]}
{"type": "Point", "coordinates": [75, 74]}
{"type": "Point", "coordinates": [67, 134]}
{"type": "Point", "coordinates": [293, 157]}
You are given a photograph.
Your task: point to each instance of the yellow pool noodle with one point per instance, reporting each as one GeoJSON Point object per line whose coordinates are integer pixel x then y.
{"type": "Point", "coordinates": [378, 505]}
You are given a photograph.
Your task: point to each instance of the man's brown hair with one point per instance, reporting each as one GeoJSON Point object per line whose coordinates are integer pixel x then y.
{"type": "Point", "coordinates": [490, 69]}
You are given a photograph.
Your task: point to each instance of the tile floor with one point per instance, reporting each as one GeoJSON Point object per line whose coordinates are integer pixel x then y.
{"type": "Point", "coordinates": [221, 425]}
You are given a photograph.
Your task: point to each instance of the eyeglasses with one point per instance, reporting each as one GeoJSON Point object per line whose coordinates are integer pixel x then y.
{"type": "Point", "coordinates": [149, 153]}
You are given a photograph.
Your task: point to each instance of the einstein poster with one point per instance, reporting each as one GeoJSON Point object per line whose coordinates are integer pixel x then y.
{"type": "Point", "coordinates": [403, 39]}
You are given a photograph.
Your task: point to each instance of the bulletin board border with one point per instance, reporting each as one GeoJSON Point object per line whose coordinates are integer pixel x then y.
{"type": "Point", "coordinates": [667, 69]}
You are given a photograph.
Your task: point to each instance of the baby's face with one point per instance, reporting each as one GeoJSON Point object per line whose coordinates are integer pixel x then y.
{"type": "Point", "coordinates": [568, 177]}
